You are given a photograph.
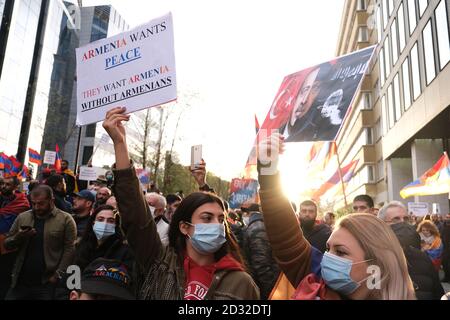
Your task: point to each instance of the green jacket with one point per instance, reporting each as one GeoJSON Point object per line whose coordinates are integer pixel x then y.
{"type": "Point", "coordinates": [160, 269]}
{"type": "Point", "coordinates": [60, 233]}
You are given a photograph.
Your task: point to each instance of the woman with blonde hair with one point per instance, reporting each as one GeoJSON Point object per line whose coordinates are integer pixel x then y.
{"type": "Point", "coordinates": [364, 259]}
{"type": "Point", "coordinates": [431, 242]}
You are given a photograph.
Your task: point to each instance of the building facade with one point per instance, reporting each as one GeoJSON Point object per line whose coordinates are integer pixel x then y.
{"type": "Point", "coordinates": [399, 126]}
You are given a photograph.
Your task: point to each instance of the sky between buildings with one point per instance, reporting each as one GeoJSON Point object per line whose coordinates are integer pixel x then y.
{"type": "Point", "coordinates": [235, 54]}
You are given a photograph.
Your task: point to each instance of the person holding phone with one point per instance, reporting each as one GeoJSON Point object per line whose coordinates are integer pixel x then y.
{"type": "Point", "coordinates": [45, 239]}
{"type": "Point", "coordinates": [202, 260]}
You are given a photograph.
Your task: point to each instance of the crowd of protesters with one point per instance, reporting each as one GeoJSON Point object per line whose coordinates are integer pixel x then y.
{"type": "Point", "coordinates": [129, 244]}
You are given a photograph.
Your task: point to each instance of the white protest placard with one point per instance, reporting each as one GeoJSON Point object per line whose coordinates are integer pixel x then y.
{"type": "Point", "coordinates": [419, 209]}
{"type": "Point", "coordinates": [88, 174]}
{"type": "Point", "coordinates": [49, 157]}
{"type": "Point", "coordinates": [25, 186]}
{"type": "Point", "coordinates": [135, 69]}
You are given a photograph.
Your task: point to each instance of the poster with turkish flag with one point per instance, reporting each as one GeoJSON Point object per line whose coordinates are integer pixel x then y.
{"type": "Point", "coordinates": [312, 104]}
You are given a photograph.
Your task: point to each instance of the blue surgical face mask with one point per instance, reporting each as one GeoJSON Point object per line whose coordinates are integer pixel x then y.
{"type": "Point", "coordinates": [336, 273]}
{"type": "Point", "coordinates": [208, 238]}
{"type": "Point", "coordinates": [103, 230]}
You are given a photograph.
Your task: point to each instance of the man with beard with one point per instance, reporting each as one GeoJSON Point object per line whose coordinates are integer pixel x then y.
{"type": "Point", "coordinates": [82, 207]}
{"type": "Point", "coordinates": [45, 240]}
{"type": "Point", "coordinates": [102, 196]}
{"type": "Point", "coordinates": [316, 233]}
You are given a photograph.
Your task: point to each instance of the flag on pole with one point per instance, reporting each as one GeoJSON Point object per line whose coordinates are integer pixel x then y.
{"type": "Point", "coordinates": [321, 154]}
{"type": "Point", "coordinates": [2, 162]}
{"type": "Point", "coordinates": [58, 159]}
{"type": "Point", "coordinates": [24, 173]}
{"type": "Point", "coordinates": [434, 181]}
{"type": "Point", "coordinates": [347, 174]}
{"type": "Point", "coordinates": [16, 165]}
{"type": "Point", "coordinates": [257, 127]}
{"type": "Point", "coordinates": [6, 163]}
{"type": "Point", "coordinates": [34, 157]}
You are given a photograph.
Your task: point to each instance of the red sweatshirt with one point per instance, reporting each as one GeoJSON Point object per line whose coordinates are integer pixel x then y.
{"type": "Point", "coordinates": [199, 278]}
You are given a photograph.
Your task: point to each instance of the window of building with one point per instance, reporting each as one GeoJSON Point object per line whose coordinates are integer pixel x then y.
{"type": "Point", "coordinates": [391, 107]}
{"type": "Point", "coordinates": [406, 84]}
{"type": "Point", "coordinates": [417, 88]}
{"type": "Point", "coordinates": [388, 55]}
{"type": "Point", "coordinates": [369, 136]}
{"type": "Point", "coordinates": [380, 170]}
{"type": "Point", "coordinates": [394, 42]}
{"type": "Point", "coordinates": [363, 34]}
{"type": "Point", "coordinates": [430, 66]}
{"type": "Point", "coordinates": [384, 114]}
{"type": "Point", "coordinates": [423, 4]}
{"type": "Point", "coordinates": [366, 100]}
{"type": "Point", "coordinates": [370, 169]}
{"type": "Point", "coordinates": [391, 6]}
{"type": "Point", "coordinates": [87, 154]}
{"type": "Point", "coordinates": [379, 22]}
{"type": "Point", "coordinates": [443, 34]}
{"type": "Point", "coordinates": [398, 107]}
{"type": "Point", "coordinates": [362, 5]}
{"type": "Point", "coordinates": [90, 130]}
{"type": "Point", "coordinates": [378, 130]}
{"type": "Point", "coordinates": [385, 13]}
{"type": "Point", "coordinates": [412, 15]}
{"type": "Point", "coordinates": [382, 68]}
{"type": "Point", "coordinates": [401, 28]}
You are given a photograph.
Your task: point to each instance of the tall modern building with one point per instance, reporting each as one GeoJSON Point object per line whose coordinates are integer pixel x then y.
{"type": "Point", "coordinates": [29, 37]}
{"type": "Point", "coordinates": [77, 144]}
{"type": "Point", "coordinates": [399, 125]}
{"type": "Point", "coordinates": [38, 39]}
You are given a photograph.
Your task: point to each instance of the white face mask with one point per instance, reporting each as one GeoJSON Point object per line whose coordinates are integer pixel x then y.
{"type": "Point", "coordinates": [103, 230]}
{"type": "Point", "coordinates": [246, 220]}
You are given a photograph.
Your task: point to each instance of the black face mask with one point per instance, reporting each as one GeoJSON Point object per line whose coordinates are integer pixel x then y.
{"type": "Point", "coordinates": [406, 234]}
{"type": "Point", "coordinates": [307, 224]}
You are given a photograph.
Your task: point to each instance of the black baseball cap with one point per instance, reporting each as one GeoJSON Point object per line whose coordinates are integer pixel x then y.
{"type": "Point", "coordinates": [108, 278]}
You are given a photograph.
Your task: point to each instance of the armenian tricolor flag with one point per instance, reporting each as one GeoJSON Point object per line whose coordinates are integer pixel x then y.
{"type": "Point", "coordinates": [16, 165]}
{"type": "Point", "coordinates": [434, 181]}
{"type": "Point", "coordinates": [25, 173]}
{"type": "Point", "coordinates": [347, 174]}
{"type": "Point", "coordinates": [320, 154]}
{"type": "Point", "coordinates": [34, 157]}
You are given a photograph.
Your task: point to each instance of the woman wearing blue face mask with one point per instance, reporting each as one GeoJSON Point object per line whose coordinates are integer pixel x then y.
{"type": "Point", "coordinates": [103, 238]}
{"type": "Point", "coordinates": [202, 260]}
{"type": "Point", "coordinates": [364, 259]}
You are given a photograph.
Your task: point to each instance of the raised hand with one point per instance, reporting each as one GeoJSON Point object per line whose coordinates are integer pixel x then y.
{"type": "Point", "coordinates": [199, 173]}
{"type": "Point", "coordinates": [269, 150]}
{"type": "Point", "coordinates": [113, 124]}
